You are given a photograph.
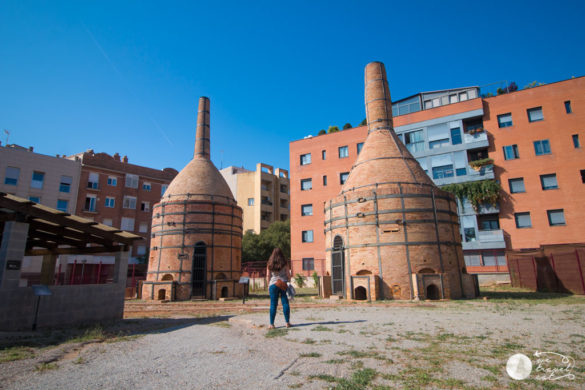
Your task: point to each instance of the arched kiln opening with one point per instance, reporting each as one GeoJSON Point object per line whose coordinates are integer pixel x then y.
{"type": "Point", "coordinates": [433, 292]}
{"type": "Point", "coordinates": [224, 292]}
{"type": "Point", "coordinates": [162, 294]}
{"type": "Point", "coordinates": [167, 277]}
{"type": "Point", "coordinates": [360, 293]}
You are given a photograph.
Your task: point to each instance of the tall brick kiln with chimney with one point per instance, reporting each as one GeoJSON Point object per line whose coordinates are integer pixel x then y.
{"type": "Point", "coordinates": [391, 233]}
{"type": "Point", "coordinates": [196, 243]}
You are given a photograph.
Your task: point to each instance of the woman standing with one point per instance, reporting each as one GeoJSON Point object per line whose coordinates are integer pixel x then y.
{"type": "Point", "coordinates": [278, 273]}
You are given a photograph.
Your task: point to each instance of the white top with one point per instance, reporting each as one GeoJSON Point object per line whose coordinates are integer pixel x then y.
{"type": "Point", "coordinates": [282, 275]}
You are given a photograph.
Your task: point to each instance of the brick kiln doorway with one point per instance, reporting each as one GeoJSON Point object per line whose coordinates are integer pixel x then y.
{"type": "Point", "coordinates": [337, 267]}
{"type": "Point", "coordinates": [199, 270]}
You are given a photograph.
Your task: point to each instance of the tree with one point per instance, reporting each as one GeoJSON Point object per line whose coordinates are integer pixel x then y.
{"type": "Point", "coordinates": [347, 126]}
{"type": "Point", "coordinates": [364, 122]}
{"type": "Point", "coordinates": [259, 247]}
{"type": "Point", "coordinates": [322, 131]}
{"type": "Point", "coordinates": [333, 129]}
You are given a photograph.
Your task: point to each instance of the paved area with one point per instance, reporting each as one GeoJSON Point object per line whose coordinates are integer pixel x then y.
{"type": "Point", "coordinates": [444, 345]}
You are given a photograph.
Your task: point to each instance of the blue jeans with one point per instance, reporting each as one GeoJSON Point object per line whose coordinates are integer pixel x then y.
{"type": "Point", "coordinates": [274, 293]}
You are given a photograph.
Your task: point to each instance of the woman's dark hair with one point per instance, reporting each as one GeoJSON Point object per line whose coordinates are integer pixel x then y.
{"type": "Point", "coordinates": [277, 261]}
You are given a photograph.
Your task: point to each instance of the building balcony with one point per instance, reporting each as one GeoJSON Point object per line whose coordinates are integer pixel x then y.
{"type": "Point", "coordinates": [485, 239]}
{"type": "Point", "coordinates": [477, 139]}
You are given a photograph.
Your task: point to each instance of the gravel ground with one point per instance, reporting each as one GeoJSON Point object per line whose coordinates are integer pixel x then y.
{"type": "Point", "coordinates": [444, 345]}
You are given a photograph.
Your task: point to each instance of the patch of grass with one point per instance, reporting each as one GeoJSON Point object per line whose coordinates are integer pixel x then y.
{"type": "Point", "coordinates": [16, 353]}
{"type": "Point", "coordinates": [276, 333]}
{"type": "Point", "coordinates": [514, 295]}
{"type": "Point", "coordinates": [321, 328]}
{"type": "Point", "coordinates": [309, 341]}
{"type": "Point", "coordinates": [357, 364]}
{"type": "Point", "coordinates": [46, 367]}
{"type": "Point", "coordinates": [79, 360]}
{"type": "Point", "coordinates": [323, 377]}
{"type": "Point", "coordinates": [489, 378]}
{"type": "Point", "coordinates": [364, 377]}
{"type": "Point", "coordinates": [295, 386]}
{"type": "Point", "coordinates": [91, 334]}
{"type": "Point", "coordinates": [335, 361]}
{"type": "Point", "coordinates": [342, 331]}
{"type": "Point", "coordinates": [222, 324]}
{"type": "Point", "coordinates": [294, 373]}
{"type": "Point", "coordinates": [310, 354]}
{"type": "Point", "coordinates": [358, 354]}
{"type": "Point", "coordinates": [493, 369]}
{"type": "Point", "coordinates": [391, 339]}
{"type": "Point", "coordinates": [506, 348]}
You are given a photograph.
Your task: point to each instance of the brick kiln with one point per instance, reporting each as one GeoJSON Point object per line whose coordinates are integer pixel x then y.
{"type": "Point", "coordinates": [196, 230]}
{"type": "Point", "coordinates": [391, 233]}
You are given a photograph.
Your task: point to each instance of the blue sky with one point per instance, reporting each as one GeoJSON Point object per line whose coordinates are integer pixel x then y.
{"type": "Point", "coordinates": [125, 76]}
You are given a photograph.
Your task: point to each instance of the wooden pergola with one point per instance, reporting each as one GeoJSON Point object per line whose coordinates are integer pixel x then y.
{"type": "Point", "coordinates": [54, 232]}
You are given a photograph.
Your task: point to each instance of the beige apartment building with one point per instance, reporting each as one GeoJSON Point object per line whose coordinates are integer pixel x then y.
{"type": "Point", "coordinates": [262, 194]}
{"type": "Point", "coordinates": [52, 181]}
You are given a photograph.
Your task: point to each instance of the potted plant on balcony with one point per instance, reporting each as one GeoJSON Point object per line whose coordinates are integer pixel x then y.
{"type": "Point", "coordinates": [478, 164]}
{"type": "Point", "coordinates": [475, 130]}
{"type": "Point", "coordinates": [483, 192]}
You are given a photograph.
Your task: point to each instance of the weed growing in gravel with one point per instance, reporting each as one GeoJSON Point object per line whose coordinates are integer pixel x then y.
{"type": "Point", "coordinates": [323, 377]}
{"type": "Point", "coordinates": [46, 366]}
{"type": "Point", "coordinates": [359, 379]}
{"type": "Point", "coordinates": [309, 341]}
{"type": "Point", "coordinates": [321, 328]}
{"type": "Point", "coordinates": [92, 334]}
{"type": "Point", "coordinates": [294, 373]}
{"type": "Point", "coordinates": [335, 361]}
{"type": "Point", "coordinates": [79, 360]}
{"type": "Point", "coordinates": [276, 333]}
{"type": "Point", "coordinates": [222, 324]}
{"type": "Point", "coordinates": [310, 354]}
{"type": "Point", "coordinates": [15, 353]}
{"type": "Point", "coordinates": [295, 386]}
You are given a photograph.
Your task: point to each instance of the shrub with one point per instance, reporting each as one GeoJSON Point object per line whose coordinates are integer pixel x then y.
{"type": "Point", "coordinates": [300, 279]}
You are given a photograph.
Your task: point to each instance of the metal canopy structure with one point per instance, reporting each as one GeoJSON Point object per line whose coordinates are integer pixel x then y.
{"type": "Point", "coordinates": [55, 232]}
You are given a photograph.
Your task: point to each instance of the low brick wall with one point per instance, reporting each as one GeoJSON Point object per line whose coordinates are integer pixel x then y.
{"type": "Point", "coordinates": [77, 304]}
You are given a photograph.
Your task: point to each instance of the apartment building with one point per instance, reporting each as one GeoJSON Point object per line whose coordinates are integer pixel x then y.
{"type": "Point", "coordinates": [49, 180]}
{"type": "Point", "coordinates": [540, 162]}
{"type": "Point", "coordinates": [263, 194]}
{"type": "Point", "coordinates": [119, 194]}
{"type": "Point", "coordinates": [529, 141]}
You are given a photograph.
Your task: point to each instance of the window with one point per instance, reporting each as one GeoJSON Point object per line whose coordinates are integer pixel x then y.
{"type": "Point", "coordinates": [250, 201]}
{"type": "Point", "coordinates": [438, 143]}
{"type": "Point", "coordinates": [306, 209]}
{"type": "Point", "coordinates": [37, 180]}
{"type": "Point", "coordinates": [90, 203]}
{"type": "Point", "coordinates": [163, 189]}
{"type": "Point", "coordinates": [143, 227]}
{"type": "Point", "coordinates": [145, 206]}
{"type": "Point", "coordinates": [511, 152]}
{"type": "Point", "coordinates": [112, 181]}
{"type": "Point", "coordinates": [443, 172]}
{"type": "Point", "coordinates": [414, 141]}
{"type": "Point", "coordinates": [516, 185]}
{"type": "Point", "coordinates": [541, 147]}
{"type": "Point", "coordinates": [127, 224]}
{"type": "Point", "coordinates": [305, 159]}
{"type": "Point", "coordinates": [456, 136]}
{"type": "Point", "coordinates": [359, 147]}
{"type": "Point", "coordinates": [343, 152]}
{"type": "Point", "coordinates": [556, 217]}
{"type": "Point", "coordinates": [535, 114]}
{"type": "Point", "coordinates": [93, 180]}
{"type": "Point", "coordinates": [324, 180]}
{"type": "Point", "coordinates": [323, 155]}
{"type": "Point", "coordinates": [488, 222]}
{"type": "Point", "coordinates": [568, 107]}
{"type": "Point", "coordinates": [505, 120]}
{"type": "Point", "coordinates": [494, 258]}
{"type": "Point", "coordinates": [522, 220]}
{"type": "Point", "coordinates": [469, 234]}
{"type": "Point", "coordinates": [107, 221]}
{"type": "Point", "coordinates": [131, 181]}
{"type": "Point", "coordinates": [146, 186]}
{"type": "Point", "coordinates": [307, 236]}
{"type": "Point", "coordinates": [308, 264]}
{"type": "Point", "coordinates": [35, 199]}
{"type": "Point", "coordinates": [549, 182]}
{"type": "Point", "coordinates": [472, 260]}
{"type": "Point", "coordinates": [343, 177]}
{"type": "Point", "coordinates": [141, 250]}
{"type": "Point", "coordinates": [12, 174]}
{"type": "Point", "coordinates": [110, 202]}
{"type": "Point", "coordinates": [62, 205]}
{"type": "Point", "coordinates": [65, 184]}
{"type": "Point", "coordinates": [129, 202]}
{"type": "Point", "coordinates": [582, 175]}
{"type": "Point", "coordinates": [306, 184]}
{"type": "Point", "coordinates": [576, 142]}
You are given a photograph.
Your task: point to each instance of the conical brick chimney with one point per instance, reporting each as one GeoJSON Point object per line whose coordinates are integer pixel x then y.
{"type": "Point", "coordinates": [391, 233]}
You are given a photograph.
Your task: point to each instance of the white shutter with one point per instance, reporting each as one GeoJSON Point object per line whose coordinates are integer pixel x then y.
{"type": "Point", "coordinates": [441, 160]}
{"type": "Point", "coordinates": [437, 132]}
{"type": "Point", "coordinates": [459, 159]}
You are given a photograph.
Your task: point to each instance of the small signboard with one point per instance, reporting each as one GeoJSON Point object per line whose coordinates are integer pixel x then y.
{"type": "Point", "coordinates": [13, 265]}
{"type": "Point", "coordinates": [41, 289]}
{"type": "Point", "coordinates": [244, 280]}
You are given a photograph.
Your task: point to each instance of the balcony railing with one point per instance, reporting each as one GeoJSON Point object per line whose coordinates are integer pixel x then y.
{"type": "Point", "coordinates": [475, 137]}
{"type": "Point", "coordinates": [491, 235]}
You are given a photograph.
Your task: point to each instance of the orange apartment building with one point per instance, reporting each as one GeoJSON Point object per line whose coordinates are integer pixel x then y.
{"type": "Point", "coordinates": [119, 194]}
{"type": "Point", "coordinates": [445, 130]}
{"type": "Point", "coordinates": [540, 162]}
